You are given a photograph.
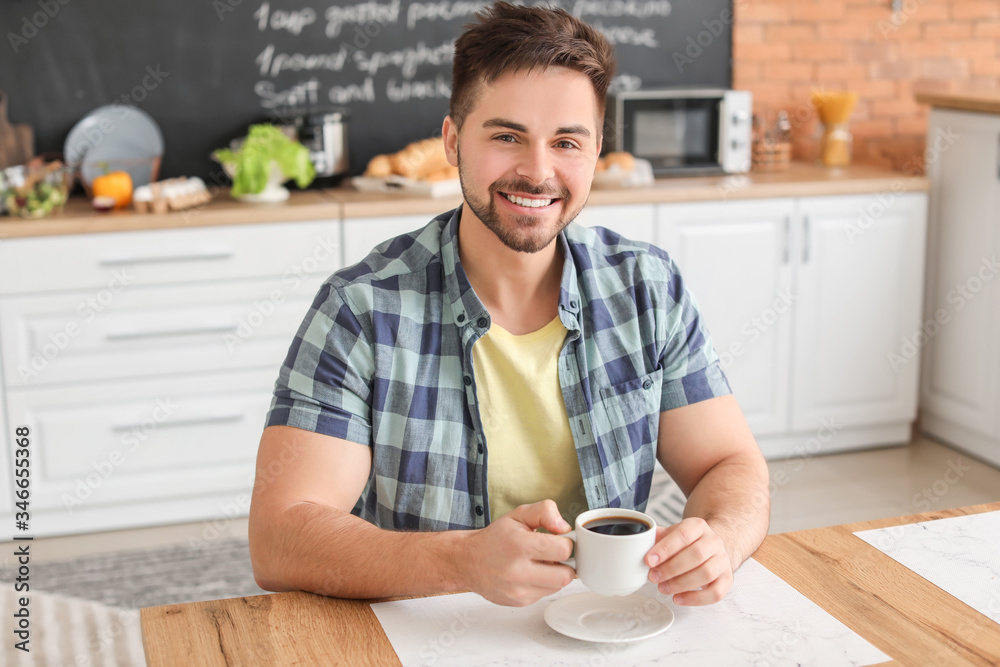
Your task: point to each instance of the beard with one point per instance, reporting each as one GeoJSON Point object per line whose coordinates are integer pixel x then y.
{"type": "Point", "coordinates": [523, 233]}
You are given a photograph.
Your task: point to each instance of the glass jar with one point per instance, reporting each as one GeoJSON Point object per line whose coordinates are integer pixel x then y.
{"type": "Point", "coordinates": [835, 145]}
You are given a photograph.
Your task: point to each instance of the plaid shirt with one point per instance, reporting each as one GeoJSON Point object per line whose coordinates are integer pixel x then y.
{"type": "Point", "coordinates": [384, 358]}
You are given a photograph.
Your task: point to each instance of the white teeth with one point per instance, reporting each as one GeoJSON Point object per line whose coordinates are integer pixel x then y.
{"type": "Point", "coordinates": [529, 203]}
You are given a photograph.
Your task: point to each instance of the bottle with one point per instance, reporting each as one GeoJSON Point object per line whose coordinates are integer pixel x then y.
{"type": "Point", "coordinates": [784, 128]}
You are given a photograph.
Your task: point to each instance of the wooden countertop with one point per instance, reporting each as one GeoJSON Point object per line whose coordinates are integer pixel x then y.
{"type": "Point", "coordinates": [801, 180]}
{"type": "Point", "coordinates": [80, 218]}
{"type": "Point", "coordinates": [904, 615]}
{"type": "Point", "coordinates": [967, 99]}
{"type": "Point", "coordinates": [901, 613]}
{"type": "Point", "coordinates": [355, 204]}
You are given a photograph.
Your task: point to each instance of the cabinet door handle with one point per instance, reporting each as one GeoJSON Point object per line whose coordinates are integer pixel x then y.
{"type": "Point", "coordinates": [201, 254]}
{"type": "Point", "coordinates": [788, 239]}
{"type": "Point", "coordinates": [805, 239]}
{"type": "Point", "coordinates": [132, 334]}
{"type": "Point", "coordinates": [194, 421]}
{"type": "Point", "coordinates": [998, 157]}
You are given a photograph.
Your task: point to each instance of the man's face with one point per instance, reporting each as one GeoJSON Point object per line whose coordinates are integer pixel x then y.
{"type": "Point", "coordinates": [526, 154]}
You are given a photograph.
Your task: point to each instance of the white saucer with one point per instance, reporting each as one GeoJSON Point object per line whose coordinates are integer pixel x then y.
{"type": "Point", "coordinates": [599, 618]}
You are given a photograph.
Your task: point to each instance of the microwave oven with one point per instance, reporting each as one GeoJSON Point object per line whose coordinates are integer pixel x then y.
{"type": "Point", "coordinates": [683, 131]}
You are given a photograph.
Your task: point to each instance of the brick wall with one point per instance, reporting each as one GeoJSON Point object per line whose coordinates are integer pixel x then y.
{"type": "Point", "coordinates": [783, 49]}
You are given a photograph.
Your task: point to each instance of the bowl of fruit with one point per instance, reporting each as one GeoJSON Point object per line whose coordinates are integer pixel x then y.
{"type": "Point", "coordinates": [36, 189]}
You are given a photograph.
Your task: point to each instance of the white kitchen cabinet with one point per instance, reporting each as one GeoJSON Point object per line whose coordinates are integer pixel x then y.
{"type": "Point", "coordinates": [803, 314]}
{"type": "Point", "coordinates": [805, 305]}
{"type": "Point", "coordinates": [361, 235]}
{"type": "Point", "coordinates": [960, 393]}
{"type": "Point", "coordinates": [153, 330]}
{"type": "Point", "coordinates": [860, 272]}
{"type": "Point", "coordinates": [633, 221]}
{"type": "Point", "coordinates": [736, 261]}
{"type": "Point", "coordinates": [124, 260]}
{"type": "Point", "coordinates": [145, 365]}
{"type": "Point", "coordinates": [120, 445]}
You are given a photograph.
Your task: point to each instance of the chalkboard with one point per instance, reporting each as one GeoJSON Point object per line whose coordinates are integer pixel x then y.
{"type": "Point", "coordinates": [206, 69]}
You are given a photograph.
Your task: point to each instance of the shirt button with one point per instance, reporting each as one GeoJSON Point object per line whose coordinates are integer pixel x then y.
{"type": "Point", "coordinates": [479, 510]}
{"type": "Point", "coordinates": [461, 317]}
{"type": "Point", "coordinates": [572, 304]}
{"type": "Point", "coordinates": [647, 384]}
{"type": "Point", "coordinates": [481, 323]}
{"type": "Point", "coordinates": [480, 448]}
{"type": "Point", "coordinates": [468, 381]}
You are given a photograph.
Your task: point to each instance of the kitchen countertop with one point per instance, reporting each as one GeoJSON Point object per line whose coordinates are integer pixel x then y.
{"type": "Point", "coordinates": [801, 180]}
{"type": "Point", "coordinates": [966, 99]}
{"type": "Point", "coordinates": [79, 217]}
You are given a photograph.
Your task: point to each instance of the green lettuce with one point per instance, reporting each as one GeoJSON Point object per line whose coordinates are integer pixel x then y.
{"type": "Point", "coordinates": [266, 143]}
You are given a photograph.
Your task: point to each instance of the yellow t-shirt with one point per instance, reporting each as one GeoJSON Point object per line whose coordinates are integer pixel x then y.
{"type": "Point", "coordinates": [530, 450]}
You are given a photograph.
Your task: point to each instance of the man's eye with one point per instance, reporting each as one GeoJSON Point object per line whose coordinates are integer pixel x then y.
{"type": "Point", "coordinates": [508, 138]}
{"type": "Point", "coordinates": [565, 144]}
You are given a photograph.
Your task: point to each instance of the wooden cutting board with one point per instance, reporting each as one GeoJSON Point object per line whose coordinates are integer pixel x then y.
{"type": "Point", "coordinates": [17, 142]}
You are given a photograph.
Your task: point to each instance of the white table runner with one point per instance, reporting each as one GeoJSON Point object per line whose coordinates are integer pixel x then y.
{"type": "Point", "coordinates": [763, 621]}
{"type": "Point", "coordinates": [960, 555]}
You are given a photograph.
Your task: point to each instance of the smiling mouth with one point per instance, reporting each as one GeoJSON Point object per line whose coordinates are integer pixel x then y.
{"type": "Point", "coordinates": [527, 202]}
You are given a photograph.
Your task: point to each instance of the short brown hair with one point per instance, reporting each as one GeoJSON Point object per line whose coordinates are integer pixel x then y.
{"type": "Point", "coordinates": [511, 37]}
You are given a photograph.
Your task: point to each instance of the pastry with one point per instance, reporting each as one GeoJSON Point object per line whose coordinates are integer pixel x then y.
{"type": "Point", "coordinates": [449, 173]}
{"type": "Point", "coordinates": [625, 161]}
{"type": "Point", "coordinates": [379, 166]}
{"type": "Point", "coordinates": [421, 158]}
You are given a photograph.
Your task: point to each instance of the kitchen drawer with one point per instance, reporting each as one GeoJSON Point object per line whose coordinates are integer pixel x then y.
{"type": "Point", "coordinates": [147, 331]}
{"type": "Point", "coordinates": [120, 261]}
{"type": "Point", "coordinates": [121, 442]}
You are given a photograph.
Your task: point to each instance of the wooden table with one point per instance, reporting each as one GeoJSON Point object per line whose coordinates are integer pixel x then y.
{"type": "Point", "coordinates": [902, 614]}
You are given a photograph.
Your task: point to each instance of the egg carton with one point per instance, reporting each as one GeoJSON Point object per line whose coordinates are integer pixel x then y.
{"type": "Point", "coordinates": [172, 194]}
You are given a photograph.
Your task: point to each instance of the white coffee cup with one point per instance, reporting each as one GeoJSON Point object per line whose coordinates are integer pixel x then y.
{"type": "Point", "coordinates": [611, 564]}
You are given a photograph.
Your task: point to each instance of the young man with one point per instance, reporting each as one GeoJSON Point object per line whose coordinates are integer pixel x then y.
{"type": "Point", "coordinates": [500, 371]}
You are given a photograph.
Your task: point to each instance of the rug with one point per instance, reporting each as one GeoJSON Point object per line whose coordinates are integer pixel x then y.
{"type": "Point", "coordinates": [150, 577]}
{"type": "Point", "coordinates": [666, 500]}
{"type": "Point", "coordinates": [85, 611]}
{"type": "Point", "coordinates": [69, 632]}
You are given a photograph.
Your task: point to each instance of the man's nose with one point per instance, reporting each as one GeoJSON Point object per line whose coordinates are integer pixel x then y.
{"type": "Point", "coordinates": [536, 164]}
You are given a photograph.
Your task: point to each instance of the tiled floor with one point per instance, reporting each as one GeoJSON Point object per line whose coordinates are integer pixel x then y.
{"type": "Point", "coordinates": [806, 493]}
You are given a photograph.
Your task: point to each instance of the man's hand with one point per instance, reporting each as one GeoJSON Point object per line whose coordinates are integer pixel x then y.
{"type": "Point", "coordinates": [687, 557]}
{"type": "Point", "coordinates": [509, 563]}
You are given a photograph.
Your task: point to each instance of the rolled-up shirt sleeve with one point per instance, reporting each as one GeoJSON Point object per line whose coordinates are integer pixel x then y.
{"type": "Point", "coordinates": [691, 370]}
{"type": "Point", "coordinates": [324, 384]}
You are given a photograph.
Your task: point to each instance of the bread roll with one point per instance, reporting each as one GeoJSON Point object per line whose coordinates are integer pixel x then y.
{"type": "Point", "coordinates": [449, 173]}
{"type": "Point", "coordinates": [421, 158]}
{"type": "Point", "coordinates": [625, 161]}
{"type": "Point", "coordinates": [379, 166]}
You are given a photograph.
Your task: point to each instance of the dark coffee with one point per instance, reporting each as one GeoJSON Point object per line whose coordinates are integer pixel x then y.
{"type": "Point", "coordinates": [617, 525]}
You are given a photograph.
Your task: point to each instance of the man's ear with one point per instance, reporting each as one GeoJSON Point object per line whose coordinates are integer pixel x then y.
{"type": "Point", "coordinates": [449, 132]}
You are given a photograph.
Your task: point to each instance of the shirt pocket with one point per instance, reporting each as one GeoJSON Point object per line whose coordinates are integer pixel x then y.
{"type": "Point", "coordinates": [631, 415]}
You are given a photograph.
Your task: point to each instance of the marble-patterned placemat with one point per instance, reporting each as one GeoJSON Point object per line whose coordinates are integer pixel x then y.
{"type": "Point", "coordinates": [960, 555]}
{"type": "Point", "coordinates": [763, 621]}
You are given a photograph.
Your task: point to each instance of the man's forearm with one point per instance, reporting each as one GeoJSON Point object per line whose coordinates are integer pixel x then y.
{"type": "Point", "coordinates": [324, 550]}
{"type": "Point", "coordinates": [733, 499]}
